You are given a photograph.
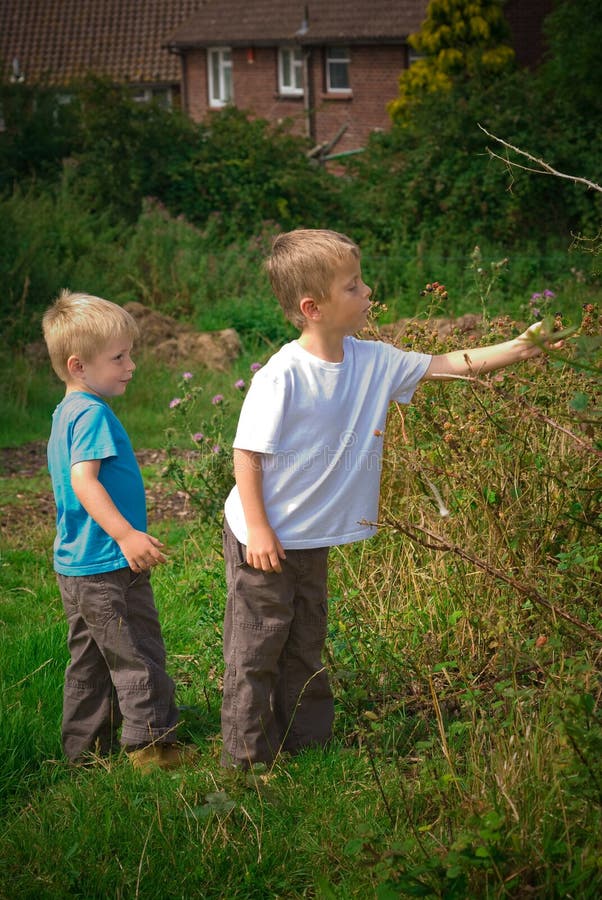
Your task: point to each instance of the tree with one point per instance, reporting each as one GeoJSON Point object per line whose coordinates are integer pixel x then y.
{"type": "Point", "coordinates": [459, 40]}
{"type": "Point", "coordinates": [572, 70]}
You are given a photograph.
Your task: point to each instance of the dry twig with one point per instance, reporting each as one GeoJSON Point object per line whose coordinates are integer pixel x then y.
{"type": "Point", "coordinates": [544, 168]}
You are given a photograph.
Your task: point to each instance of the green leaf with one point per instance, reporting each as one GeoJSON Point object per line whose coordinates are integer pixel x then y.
{"type": "Point", "coordinates": [579, 402]}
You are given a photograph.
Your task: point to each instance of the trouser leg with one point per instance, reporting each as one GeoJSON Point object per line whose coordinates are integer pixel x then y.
{"type": "Point", "coordinates": [255, 630]}
{"type": "Point", "coordinates": [113, 616]}
{"type": "Point", "coordinates": [303, 702]}
{"type": "Point", "coordinates": [91, 714]}
{"type": "Point", "coordinates": [276, 692]}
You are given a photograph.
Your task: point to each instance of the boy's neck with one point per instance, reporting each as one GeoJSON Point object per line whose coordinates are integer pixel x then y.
{"type": "Point", "coordinates": [328, 347]}
{"type": "Point", "coordinates": [72, 387]}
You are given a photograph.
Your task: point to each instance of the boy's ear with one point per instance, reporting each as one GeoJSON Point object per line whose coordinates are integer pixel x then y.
{"type": "Point", "coordinates": [75, 366]}
{"type": "Point", "coordinates": [309, 308]}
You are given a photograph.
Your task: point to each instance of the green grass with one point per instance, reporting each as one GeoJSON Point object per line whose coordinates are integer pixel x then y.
{"type": "Point", "coordinates": [29, 395]}
{"type": "Point", "coordinates": [464, 655]}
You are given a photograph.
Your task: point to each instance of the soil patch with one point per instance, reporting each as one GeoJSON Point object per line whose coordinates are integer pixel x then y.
{"type": "Point", "coordinates": [32, 508]}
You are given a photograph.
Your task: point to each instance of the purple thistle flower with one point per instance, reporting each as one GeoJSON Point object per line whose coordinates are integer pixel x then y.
{"type": "Point", "coordinates": [187, 376]}
{"type": "Point", "coordinates": [219, 398]}
{"type": "Point", "coordinates": [240, 385]}
{"type": "Point", "coordinates": [535, 296]}
{"type": "Point", "coordinates": [549, 294]}
{"type": "Point", "coordinates": [216, 448]}
{"type": "Point", "coordinates": [198, 437]}
{"type": "Point", "coordinates": [175, 402]}
{"type": "Point", "coordinates": [255, 367]}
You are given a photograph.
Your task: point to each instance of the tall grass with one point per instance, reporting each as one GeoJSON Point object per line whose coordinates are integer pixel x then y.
{"type": "Point", "coordinates": [50, 240]}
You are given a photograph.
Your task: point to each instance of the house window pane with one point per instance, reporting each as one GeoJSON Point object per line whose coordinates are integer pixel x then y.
{"type": "Point", "coordinates": [220, 76]}
{"type": "Point", "coordinates": [227, 83]}
{"type": "Point", "coordinates": [215, 75]}
{"type": "Point", "coordinates": [290, 70]}
{"type": "Point", "coordinates": [337, 69]}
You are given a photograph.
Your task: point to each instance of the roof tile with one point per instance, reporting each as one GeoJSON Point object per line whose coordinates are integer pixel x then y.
{"type": "Point", "coordinates": [56, 41]}
{"type": "Point", "coordinates": [266, 21]}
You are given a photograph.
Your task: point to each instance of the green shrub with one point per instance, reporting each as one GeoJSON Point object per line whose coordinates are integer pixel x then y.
{"type": "Point", "coordinates": [49, 240]}
{"type": "Point", "coordinates": [39, 132]}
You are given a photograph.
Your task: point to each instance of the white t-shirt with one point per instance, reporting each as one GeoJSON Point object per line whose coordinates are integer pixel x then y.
{"type": "Point", "coordinates": [319, 427]}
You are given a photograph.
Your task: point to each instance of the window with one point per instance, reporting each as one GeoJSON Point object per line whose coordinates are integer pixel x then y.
{"type": "Point", "coordinates": [337, 69]}
{"type": "Point", "coordinates": [160, 95]}
{"type": "Point", "coordinates": [219, 65]}
{"type": "Point", "coordinates": [290, 71]}
{"type": "Point", "coordinates": [413, 56]}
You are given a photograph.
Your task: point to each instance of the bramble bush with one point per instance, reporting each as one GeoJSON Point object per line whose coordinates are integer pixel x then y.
{"type": "Point", "coordinates": [464, 637]}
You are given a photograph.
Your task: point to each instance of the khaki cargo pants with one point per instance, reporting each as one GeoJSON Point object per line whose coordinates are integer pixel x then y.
{"type": "Point", "coordinates": [276, 690]}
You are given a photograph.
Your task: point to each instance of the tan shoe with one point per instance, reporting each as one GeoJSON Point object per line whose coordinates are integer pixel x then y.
{"type": "Point", "coordinates": [162, 756]}
{"type": "Point", "coordinates": [176, 755]}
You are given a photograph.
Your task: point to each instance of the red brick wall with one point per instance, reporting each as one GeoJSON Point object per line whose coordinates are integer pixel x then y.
{"type": "Point", "coordinates": [255, 86]}
{"type": "Point", "coordinates": [374, 73]}
{"type": "Point", "coordinates": [195, 80]}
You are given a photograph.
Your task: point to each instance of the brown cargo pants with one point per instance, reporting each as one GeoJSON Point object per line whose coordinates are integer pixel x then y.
{"type": "Point", "coordinates": [276, 690]}
{"type": "Point", "coordinates": [116, 675]}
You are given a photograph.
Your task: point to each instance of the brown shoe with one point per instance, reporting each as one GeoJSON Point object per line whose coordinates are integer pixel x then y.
{"type": "Point", "coordinates": [162, 756]}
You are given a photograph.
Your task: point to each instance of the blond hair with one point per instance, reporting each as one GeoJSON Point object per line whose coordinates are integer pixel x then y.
{"type": "Point", "coordinates": [303, 263]}
{"type": "Point", "coordinates": [82, 325]}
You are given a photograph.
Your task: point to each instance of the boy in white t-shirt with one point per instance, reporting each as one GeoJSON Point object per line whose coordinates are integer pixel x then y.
{"type": "Point", "coordinates": [307, 461]}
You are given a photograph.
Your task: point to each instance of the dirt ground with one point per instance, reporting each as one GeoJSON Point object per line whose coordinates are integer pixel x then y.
{"type": "Point", "coordinates": [37, 508]}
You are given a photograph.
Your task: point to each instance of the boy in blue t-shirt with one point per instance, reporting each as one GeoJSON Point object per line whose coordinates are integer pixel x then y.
{"type": "Point", "coordinates": [102, 552]}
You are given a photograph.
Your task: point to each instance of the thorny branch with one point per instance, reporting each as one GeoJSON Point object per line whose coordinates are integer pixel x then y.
{"type": "Point", "coordinates": [544, 168]}
{"type": "Point", "coordinates": [434, 541]}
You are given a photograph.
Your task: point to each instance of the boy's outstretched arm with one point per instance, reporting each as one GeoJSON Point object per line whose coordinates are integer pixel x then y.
{"type": "Point", "coordinates": [141, 550]}
{"type": "Point", "coordinates": [479, 360]}
{"type": "Point", "coordinates": [264, 550]}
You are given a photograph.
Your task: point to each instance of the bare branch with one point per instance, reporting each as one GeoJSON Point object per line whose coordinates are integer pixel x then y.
{"type": "Point", "coordinates": [544, 168]}
{"type": "Point", "coordinates": [434, 541]}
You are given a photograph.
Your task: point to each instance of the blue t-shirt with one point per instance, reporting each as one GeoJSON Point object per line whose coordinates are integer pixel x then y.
{"type": "Point", "coordinates": [84, 427]}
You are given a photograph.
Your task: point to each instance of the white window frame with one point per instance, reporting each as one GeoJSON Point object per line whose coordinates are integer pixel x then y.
{"type": "Point", "coordinates": [337, 55]}
{"type": "Point", "coordinates": [413, 56]}
{"type": "Point", "coordinates": [220, 93]}
{"type": "Point", "coordinates": [294, 68]}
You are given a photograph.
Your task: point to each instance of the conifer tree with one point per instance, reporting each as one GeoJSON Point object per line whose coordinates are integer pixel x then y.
{"type": "Point", "coordinates": [459, 40]}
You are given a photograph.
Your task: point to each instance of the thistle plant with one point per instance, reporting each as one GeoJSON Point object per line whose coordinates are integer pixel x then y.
{"type": "Point", "coordinates": [486, 277]}
{"type": "Point", "coordinates": [199, 444]}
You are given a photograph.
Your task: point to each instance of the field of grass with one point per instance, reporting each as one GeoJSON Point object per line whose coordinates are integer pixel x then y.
{"type": "Point", "coordinates": [464, 651]}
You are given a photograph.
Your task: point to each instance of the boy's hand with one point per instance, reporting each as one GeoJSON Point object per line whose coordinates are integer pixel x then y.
{"type": "Point", "coordinates": [264, 550]}
{"type": "Point", "coordinates": [142, 551]}
{"type": "Point", "coordinates": [535, 340]}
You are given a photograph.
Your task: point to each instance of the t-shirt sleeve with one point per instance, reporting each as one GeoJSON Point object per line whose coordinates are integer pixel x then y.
{"type": "Point", "coordinates": [92, 436]}
{"type": "Point", "coordinates": [260, 422]}
{"type": "Point", "coordinates": [406, 368]}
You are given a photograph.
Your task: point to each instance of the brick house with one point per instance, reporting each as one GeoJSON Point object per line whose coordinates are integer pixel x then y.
{"type": "Point", "coordinates": [328, 67]}
{"type": "Point", "coordinates": [53, 43]}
